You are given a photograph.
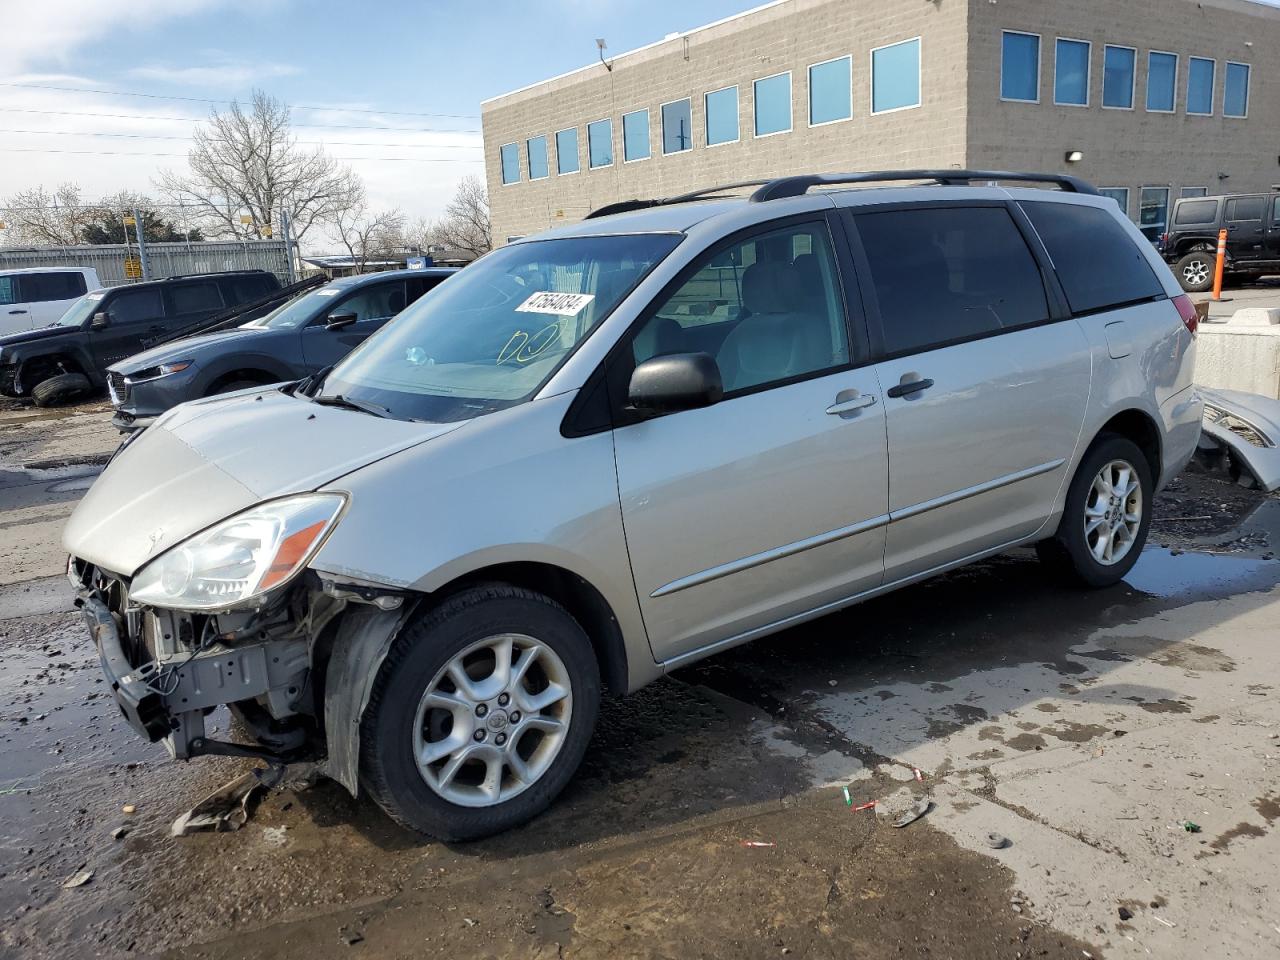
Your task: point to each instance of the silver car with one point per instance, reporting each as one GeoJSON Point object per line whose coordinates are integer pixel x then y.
{"type": "Point", "coordinates": [605, 452]}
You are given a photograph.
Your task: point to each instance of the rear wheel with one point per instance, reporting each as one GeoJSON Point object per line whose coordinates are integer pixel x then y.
{"type": "Point", "coordinates": [480, 713]}
{"type": "Point", "coordinates": [1108, 511]}
{"type": "Point", "coordinates": [60, 389]}
{"type": "Point", "coordinates": [1195, 270]}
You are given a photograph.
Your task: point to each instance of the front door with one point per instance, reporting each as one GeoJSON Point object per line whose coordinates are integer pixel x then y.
{"type": "Point", "coordinates": [15, 313]}
{"type": "Point", "coordinates": [371, 306]}
{"type": "Point", "coordinates": [985, 388]}
{"type": "Point", "coordinates": [771, 503]}
{"type": "Point", "coordinates": [1245, 232]}
{"type": "Point", "coordinates": [134, 317]}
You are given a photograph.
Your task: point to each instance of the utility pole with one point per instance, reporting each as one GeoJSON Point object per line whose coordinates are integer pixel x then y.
{"type": "Point", "coordinates": [286, 228]}
{"type": "Point", "coordinates": [142, 245]}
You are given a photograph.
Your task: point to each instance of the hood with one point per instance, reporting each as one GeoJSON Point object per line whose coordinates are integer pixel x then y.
{"type": "Point", "coordinates": [192, 348]}
{"type": "Point", "coordinates": [206, 460]}
{"type": "Point", "coordinates": [39, 333]}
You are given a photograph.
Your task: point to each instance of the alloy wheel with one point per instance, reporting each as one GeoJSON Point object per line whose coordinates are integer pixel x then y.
{"type": "Point", "coordinates": [1113, 512]}
{"type": "Point", "coordinates": [492, 720]}
{"type": "Point", "coordinates": [1195, 272]}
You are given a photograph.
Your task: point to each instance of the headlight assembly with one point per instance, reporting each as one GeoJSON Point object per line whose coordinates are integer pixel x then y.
{"type": "Point", "coordinates": [241, 558]}
{"type": "Point", "coordinates": [155, 373]}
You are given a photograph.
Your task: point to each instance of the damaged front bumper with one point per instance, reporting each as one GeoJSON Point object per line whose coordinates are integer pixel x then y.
{"type": "Point", "coordinates": [169, 669]}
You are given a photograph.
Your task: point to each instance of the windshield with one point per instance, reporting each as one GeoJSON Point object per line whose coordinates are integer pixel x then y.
{"type": "Point", "coordinates": [294, 313]}
{"type": "Point", "coordinates": [492, 335]}
{"type": "Point", "coordinates": [81, 310]}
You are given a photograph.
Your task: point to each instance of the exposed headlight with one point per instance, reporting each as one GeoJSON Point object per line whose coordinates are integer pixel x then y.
{"type": "Point", "coordinates": [163, 370]}
{"type": "Point", "coordinates": [240, 558]}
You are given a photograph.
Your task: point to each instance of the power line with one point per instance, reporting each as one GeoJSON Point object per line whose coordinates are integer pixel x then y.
{"type": "Point", "coordinates": [298, 106]}
{"type": "Point", "coordinates": [322, 143]}
{"type": "Point", "coordinates": [304, 126]}
{"type": "Point", "coordinates": [123, 153]}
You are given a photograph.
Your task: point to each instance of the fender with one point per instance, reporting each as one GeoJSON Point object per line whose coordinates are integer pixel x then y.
{"type": "Point", "coordinates": [229, 362]}
{"type": "Point", "coordinates": [21, 355]}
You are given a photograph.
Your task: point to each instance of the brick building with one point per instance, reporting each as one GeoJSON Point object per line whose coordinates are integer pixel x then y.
{"type": "Point", "coordinates": [1148, 99]}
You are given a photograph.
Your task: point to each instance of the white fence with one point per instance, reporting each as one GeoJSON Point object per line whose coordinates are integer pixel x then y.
{"type": "Point", "coordinates": [163, 259]}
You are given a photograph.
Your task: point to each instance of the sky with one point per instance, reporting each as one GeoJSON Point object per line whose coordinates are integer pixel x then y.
{"type": "Point", "coordinates": [105, 95]}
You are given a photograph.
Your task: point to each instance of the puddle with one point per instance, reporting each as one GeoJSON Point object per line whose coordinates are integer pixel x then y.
{"type": "Point", "coordinates": [1191, 575]}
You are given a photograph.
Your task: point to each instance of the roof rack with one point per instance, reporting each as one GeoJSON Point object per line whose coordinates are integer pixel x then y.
{"type": "Point", "coordinates": [798, 186]}
{"type": "Point", "coordinates": [706, 193]}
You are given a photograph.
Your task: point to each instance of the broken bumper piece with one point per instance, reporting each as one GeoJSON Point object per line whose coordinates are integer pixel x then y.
{"type": "Point", "coordinates": [1248, 425]}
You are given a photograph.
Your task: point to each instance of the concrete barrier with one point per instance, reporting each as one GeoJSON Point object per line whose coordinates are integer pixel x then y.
{"type": "Point", "coordinates": [1242, 354]}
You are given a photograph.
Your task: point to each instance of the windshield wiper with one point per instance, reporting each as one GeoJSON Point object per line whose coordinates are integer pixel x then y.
{"type": "Point", "coordinates": [364, 406]}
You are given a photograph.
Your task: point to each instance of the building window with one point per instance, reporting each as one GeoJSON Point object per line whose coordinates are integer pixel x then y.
{"type": "Point", "coordinates": [1119, 64]}
{"type": "Point", "coordinates": [1195, 191]}
{"type": "Point", "coordinates": [677, 126]}
{"type": "Point", "coordinates": [635, 135]}
{"type": "Point", "coordinates": [510, 156]}
{"type": "Point", "coordinates": [1200, 86]}
{"type": "Point", "coordinates": [895, 77]}
{"type": "Point", "coordinates": [536, 150]}
{"type": "Point", "coordinates": [1020, 67]}
{"type": "Point", "coordinates": [721, 112]}
{"type": "Point", "coordinates": [1162, 81]}
{"type": "Point", "coordinates": [567, 151]}
{"type": "Point", "coordinates": [600, 144]}
{"type": "Point", "coordinates": [1153, 212]}
{"type": "Point", "coordinates": [1071, 73]}
{"type": "Point", "coordinates": [772, 96]}
{"type": "Point", "coordinates": [1120, 195]}
{"type": "Point", "coordinates": [831, 91]}
{"type": "Point", "coordinates": [1235, 101]}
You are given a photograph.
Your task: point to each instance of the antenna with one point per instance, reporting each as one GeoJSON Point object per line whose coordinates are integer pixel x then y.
{"type": "Point", "coordinates": [600, 45]}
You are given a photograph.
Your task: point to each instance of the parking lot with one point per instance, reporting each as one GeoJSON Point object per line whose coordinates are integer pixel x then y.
{"type": "Point", "coordinates": [709, 819]}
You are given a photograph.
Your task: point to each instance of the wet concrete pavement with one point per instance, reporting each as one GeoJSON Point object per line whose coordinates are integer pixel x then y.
{"type": "Point", "coordinates": [1083, 727]}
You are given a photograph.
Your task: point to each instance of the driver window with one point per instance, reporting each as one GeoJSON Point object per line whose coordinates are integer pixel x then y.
{"type": "Point", "coordinates": [377, 302]}
{"type": "Point", "coordinates": [767, 309]}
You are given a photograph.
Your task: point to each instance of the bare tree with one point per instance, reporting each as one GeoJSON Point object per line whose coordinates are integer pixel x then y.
{"type": "Point", "coordinates": [367, 236]}
{"type": "Point", "coordinates": [249, 164]}
{"type": "Point", "coordinates": [40, 217]}
{"type": "Point", "coordinates": [465, 224]}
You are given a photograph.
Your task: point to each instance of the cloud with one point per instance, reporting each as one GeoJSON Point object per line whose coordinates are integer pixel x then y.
{"type": "Point", "coordinates": [51, 31]}
{"type": "Point", "coordinates": [228, 75]}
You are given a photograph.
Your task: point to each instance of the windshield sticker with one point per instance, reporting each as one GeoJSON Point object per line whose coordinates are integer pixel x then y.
{"type": "Point", "coordinates": [559, 304]}
{"type": "Point", "coordinates": [329, 292]}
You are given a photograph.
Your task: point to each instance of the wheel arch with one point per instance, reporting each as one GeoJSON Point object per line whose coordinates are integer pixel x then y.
{"type": "Point", "coordinates": [258, 373]}
{"type": "Point", "coordinates": [1136, 425]}
{"type": "Point", "coordinates": [585, 604]}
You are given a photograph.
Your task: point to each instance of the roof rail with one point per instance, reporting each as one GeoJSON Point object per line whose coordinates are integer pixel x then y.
{"type": "Point", "coordinates": [706, 193]}
{"type": "Point", "coordinates": [798, 186]}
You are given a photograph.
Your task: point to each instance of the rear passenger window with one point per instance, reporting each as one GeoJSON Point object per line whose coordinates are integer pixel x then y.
{"type": "Point", "coordinates": [244, 289]}
{"type": "Point", "coordinates": [1245, 208]}
{"type": "Point", "coordinates": [136, 306]}
{"type": "Point", "coordinates": [417, 286]}
{"type": "Point", "coordinates": [768, 309]}
{"type": "Point", "coordinates": [1200, 211]}
{"type": "Point", "coordinates": [1097, 262]}
{"type": "Point", "coordinates": [946, 274]}
{"type": "Point", "coordinates": [43, 287]}
{"type": "Point", "coordinates": [194, 298]}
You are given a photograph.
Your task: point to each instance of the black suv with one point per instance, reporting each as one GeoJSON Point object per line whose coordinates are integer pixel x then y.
{"type": "Point", "coordinates": [1252, 222]}
{"type": "Point", "coordinates": [71, 356]}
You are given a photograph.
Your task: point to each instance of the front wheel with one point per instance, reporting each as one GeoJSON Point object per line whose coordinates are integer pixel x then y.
{"type": "Point", "coordinates": [480, 713]}
{"type": "Point", "coordinates": [1104, 524]}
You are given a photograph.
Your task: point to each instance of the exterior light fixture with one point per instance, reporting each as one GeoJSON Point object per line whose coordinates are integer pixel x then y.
{"type": "Point", "coordinates": [1074, 156]}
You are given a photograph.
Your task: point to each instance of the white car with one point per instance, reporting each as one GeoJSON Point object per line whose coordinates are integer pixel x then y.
{"type": "Point", "coordinates": [38, 296]}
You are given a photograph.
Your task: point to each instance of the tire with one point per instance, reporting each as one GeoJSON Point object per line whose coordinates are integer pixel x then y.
{"type": "Point", "coordinates": [232, 386]}
{"type": "Point", "coordinates": [60, 389]}
{"type": "Point", "coordinates": [1195, 269]}
{"type": "Point", "coordinates": [399, 723]}
{"type": "Point", "coordinates": [1074, 554]}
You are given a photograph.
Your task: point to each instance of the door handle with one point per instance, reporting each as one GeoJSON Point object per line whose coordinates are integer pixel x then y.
{"type": "Point", "coordinates": [908, 387]}
{"type": "Point", "coordinates": [860, 402]}
{"type": "Point", "coordinates": [11, 312]}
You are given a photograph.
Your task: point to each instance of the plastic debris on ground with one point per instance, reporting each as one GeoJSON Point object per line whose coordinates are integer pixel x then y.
{"type": "Point", "coordinates": [921, 807]}
{"type": "Point", "coordinates": [869, 805]}
{"type": "Point", "coordinates": [1190, 827]}
{"type": "Point", "coordinates": [275, 836]}
{"type": "Point", "coordinates": [758, 843]}
{"type": "Point", "coordinates": [79, 880]}
{"type": "Point", "coordinates": [997, 841]}
{"type": "Point", "coordinates": [227, 808]}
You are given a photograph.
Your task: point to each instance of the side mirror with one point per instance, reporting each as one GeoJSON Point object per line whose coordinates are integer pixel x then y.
{"type": "Point", "coordinates": [336, 321]}
{"type": "Point", "coordinates": [678, 381]}
{"type": "Point", "coordinates": [100, 321]}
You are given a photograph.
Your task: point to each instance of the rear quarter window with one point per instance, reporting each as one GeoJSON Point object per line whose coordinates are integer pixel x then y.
{"type": "Point", "coordinates": [243, 289]}
{"type": "Point", "coordinates": [193, 298]}
{"type": "Point", "coordinates": [1098, 263]}
{"type": "Point", "coordinates": [1197, 211]}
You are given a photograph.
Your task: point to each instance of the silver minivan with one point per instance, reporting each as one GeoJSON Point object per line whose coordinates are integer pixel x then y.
{"type": "Point", "coordinates": [605, 452]}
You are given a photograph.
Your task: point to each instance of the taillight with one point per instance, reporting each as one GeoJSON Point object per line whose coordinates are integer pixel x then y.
{"type": "Point", "coordinates": [1187, 311]}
